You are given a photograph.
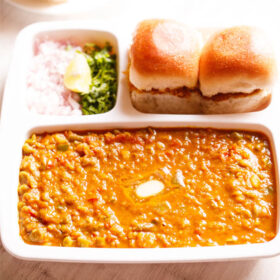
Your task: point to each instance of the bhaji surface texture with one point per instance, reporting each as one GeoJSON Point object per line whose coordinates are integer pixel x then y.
{"type": "Point", "coordinates": [78, 189]}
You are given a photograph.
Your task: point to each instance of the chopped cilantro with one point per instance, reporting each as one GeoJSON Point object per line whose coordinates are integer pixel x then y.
{"type": "Point", "coordinates": [103, 89]}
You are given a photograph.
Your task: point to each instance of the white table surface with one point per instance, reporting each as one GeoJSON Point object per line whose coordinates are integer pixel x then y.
{"type": "Point", "coordinates": [195, 12]}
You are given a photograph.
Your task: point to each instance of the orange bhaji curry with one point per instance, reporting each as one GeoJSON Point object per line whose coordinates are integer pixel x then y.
{"type": "Point", "coordinates": [147, 188]}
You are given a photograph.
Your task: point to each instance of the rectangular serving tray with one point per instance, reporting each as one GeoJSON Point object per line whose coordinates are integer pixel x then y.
{"type": "Point", "coordinates": [17, 124]}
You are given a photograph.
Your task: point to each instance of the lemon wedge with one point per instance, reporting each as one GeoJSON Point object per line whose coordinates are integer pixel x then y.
{"type": "Point", "coordinates": [77, 76]}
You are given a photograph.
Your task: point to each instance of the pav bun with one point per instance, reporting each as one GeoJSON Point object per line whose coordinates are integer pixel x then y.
{"type": "Point", "coordinates": [169, 73]}
{"type": "Point", "coordinates": [164, 54]}
{"type": "Point", "coordinates": [237, 60]}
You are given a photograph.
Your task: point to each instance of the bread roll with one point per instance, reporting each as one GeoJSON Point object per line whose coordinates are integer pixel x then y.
{"type": "Point", "coordinates": [164, 54]}
{"type": "Point", "coordinates": [236, 70]}
{"type": "Point", "coordinates": [236, 60]}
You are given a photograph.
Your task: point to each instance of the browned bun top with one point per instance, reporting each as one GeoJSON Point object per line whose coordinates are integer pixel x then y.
{"type": "Point", "coordinates": [237, 59]}
{"type": "Point", "coordinates": [164, 54]}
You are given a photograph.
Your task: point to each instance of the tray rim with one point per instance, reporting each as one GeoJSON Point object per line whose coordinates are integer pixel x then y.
{"type": "Point", "coordinates": [123, 114]}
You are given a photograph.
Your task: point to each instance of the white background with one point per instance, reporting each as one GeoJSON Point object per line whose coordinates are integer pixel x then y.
{"type": "Point", "coordinates": [127, 13]}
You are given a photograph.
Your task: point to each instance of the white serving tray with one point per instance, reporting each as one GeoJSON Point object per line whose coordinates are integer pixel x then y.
{"type": "Point", "coordinates": [17, 123]}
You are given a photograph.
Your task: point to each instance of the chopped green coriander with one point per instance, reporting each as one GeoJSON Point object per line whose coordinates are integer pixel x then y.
{"type": "Point", "coordinates": [103, 89]}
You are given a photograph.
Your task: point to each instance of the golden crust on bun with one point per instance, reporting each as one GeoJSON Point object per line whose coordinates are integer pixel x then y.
{"type": "Point", "coordinates": [237, 59]}
{"type": "Point", "coordinates": [164, 54]}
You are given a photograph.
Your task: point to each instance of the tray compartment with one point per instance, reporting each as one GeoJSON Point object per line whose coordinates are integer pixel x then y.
{"type": "Point", "coordinates": [13, 242]}
{"type": "Point", "coordinates": [76, 35]}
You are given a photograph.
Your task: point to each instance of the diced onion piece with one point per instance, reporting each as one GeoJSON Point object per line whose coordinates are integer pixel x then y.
{"type": "Point", "coordinates": [179, 178]}
{"type": "Point", "coordinates": [149, 188]}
